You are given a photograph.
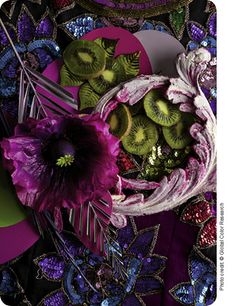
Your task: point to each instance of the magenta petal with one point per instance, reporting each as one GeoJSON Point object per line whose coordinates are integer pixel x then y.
{"type": "Point", "coordinates": [30, 156]}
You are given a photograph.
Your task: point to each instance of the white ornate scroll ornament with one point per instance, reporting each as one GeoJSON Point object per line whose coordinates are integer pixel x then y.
{"type": "Point", "coordinates": [200, 173]}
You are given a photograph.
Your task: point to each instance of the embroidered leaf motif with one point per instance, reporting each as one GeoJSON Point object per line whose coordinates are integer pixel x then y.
{"type": "Point", "coordinates": [133, 300]}
{"type": "Point", "coordinates": [178, 20]}
{"type": "Point", "coordinates": [52, 266]}
{"type": "Point", "coordinates": [148, 285]}
{"type": "Point", "coordinates": [197, 213]}
{"type": "Point", "coordinates": [87, 96]}
{"type": "Point", "coordinates": [109, 45]}
{"type": "Point", "coordinates": [207, 235]}
{"type": "Point", "coordinates": [153, 264]}
{"type": "Point", "coordinates": [183, 293]}
{"type": "Point", "coordinates": [130, 62]}
{"type": "Point", "coordinates": [8, 282]}
{"type": "Point", "coordinates": [68, 78]}
{"type": "Point", "coordinates": [57, 297]}
{"type": "Point", "coordinates": [196, 31]}
{"type": "Point", "coordinates": [144, 242]}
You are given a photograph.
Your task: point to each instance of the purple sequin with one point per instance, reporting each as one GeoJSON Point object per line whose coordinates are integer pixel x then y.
{"type": "Point", "coordinates": [26, 28]}
{"type": "Point", "coordinates": [53, 267]}
{"type": "Point", "coordinates": [56, 299]}
{"type": "Point", "coordinates": [142, 243]}
{"type": "Point", "coordinates": [45, 28]}
{"type": "Point", "coordinates": [147, 284]}
{"type": "Point", "coordinates": [133, 6]}
{"type": "Point", "coordinates": [3, 39]}
{"type": "Point", "coordinates": [212, 25]}
{"type": "Point", "coordinates": [44, 58]}
{"type": "Point", "coordinates": [196, 33]}
{"type": "Point", "coordinates": [152, 264]}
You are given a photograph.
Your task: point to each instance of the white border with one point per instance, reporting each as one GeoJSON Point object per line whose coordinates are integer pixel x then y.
{"type": "Point", "coordinates": [225, 141]}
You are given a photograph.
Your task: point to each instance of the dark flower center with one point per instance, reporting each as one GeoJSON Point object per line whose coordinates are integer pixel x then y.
{"type": "Point", "coordinates": [61, 152]}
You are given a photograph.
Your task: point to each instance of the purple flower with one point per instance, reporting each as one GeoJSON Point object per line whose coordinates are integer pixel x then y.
{"type": "Point", "coordinates": [61, 161]}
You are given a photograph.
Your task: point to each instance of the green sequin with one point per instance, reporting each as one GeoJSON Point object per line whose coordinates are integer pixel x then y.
{"type": "Point", "coordinates": [178, 20]}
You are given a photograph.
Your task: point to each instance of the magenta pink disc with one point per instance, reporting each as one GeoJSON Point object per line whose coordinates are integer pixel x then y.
{"type": "Point", "coordinates": [16, 239]}
{"type": "Point", "coordinates": [127, 44]}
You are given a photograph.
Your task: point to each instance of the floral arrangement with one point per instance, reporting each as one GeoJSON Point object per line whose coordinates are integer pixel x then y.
{"type": "Point", "coordinates": [133, 145]}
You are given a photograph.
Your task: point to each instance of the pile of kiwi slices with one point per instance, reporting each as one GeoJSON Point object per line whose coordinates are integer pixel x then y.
{"type": "Point", "coordinates": [151, 126]}
{"type": "Point", "coordinates": [92, 65]}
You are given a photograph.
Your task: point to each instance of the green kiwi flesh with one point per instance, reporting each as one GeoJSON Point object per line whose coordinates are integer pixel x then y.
{"type": "Point", "coordinates": [120, 121]}
{"type": "Point", "coordinates": [178, 135]}
{"type": "Point", "coordinates": [85, 58]}
{"type": "Point", "coordinates": [142, 137]}
{"type": "Point", "coordinates": [110, 77]}
{"type": "Point", "coordinates": [87, 96]}
{"type": "Point", "coordinates": [160, 110]}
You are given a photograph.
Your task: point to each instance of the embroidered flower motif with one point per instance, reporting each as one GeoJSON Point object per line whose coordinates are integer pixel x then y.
{"type": "Point", "coordinates": [201, 290]}
{"type": "Point", "coordinates": [35, 44]}
{"type": "Point", "coordinates": [201, 37]}
{"type": "Point", "coordinates": [141, 265]}
{"type": "Point", "coordinates": [61, 161]}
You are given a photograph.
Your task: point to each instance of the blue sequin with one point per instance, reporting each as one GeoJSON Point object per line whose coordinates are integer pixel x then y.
{"type": "Point", "coordinates": [147, 25]}
{"type": "Point", "coordinates": [201, 290]}
{"type": "Point", "coordinates": [113, 301]}
{"type": "Point", "coordinates": [8, 282]}
{"type": "Point", "coordinates": [80, 26]}
{"type": "Point", "coordinates": [76, 296]}
{"type": "Point", "coordinates": [185, 294]}
{"type": "Point", "coordinates": [7, 87]}
{"type": "Point", "coordinates": [133, 272]}
{"type": "Point", "coordinates": [8, 54]}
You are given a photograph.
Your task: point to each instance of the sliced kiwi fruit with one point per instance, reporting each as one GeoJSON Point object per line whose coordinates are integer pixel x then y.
{"type": "Point", "coordinates": [68, 78]}
{"type": "Point", "coordinates": [120, 121]}
{"type": "Point", "coordinates": [85, 58]}
{"type": "Point", "coordinates": [87, 96]}
{"type": "Point", "coordinates": [109, 45]}
{"type": "Point", "coordinates": [178, 136]}
{"type": "Point", "coordinates": [111, 76]}
{"type": "Point", "coordinates": [130, 62]}
{"type": "Point", "coordinates": [142, 137]}
{"type": "Point", "coordinates": [160, 110]}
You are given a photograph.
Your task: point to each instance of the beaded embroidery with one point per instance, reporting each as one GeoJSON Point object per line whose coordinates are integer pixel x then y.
{"type": "Point", "coordinates": [141, 265]}
{"type": "Point", "coordinates": [201, 290]}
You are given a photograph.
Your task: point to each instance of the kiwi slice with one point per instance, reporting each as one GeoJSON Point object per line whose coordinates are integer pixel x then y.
{"type": "Point", "coordinates": [85, 58]}
{"type": "Point", "coordinates": [178, 135]}
{"type": "Point", "coordinates": [130, 62]}
{"type": "Point", "coordinates": [120, 121]}
{"type": "Point", "coordinates": [109, 45]}
{"type": "Point", "coordinates": [142, 137]}
{"type": "Point", "coordinates": [160, 110]}
{"type": "Point", "coordinates": [87, 96]}
{"type": "Point", "coordinates": [111, 76]}
{"type": "Point", "coordinates": [68, 78]}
